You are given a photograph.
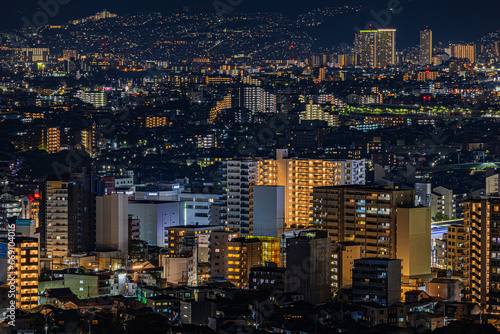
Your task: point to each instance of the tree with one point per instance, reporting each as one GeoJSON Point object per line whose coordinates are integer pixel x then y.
{"type": "Point", "coordinates": [137, 249]}
{"type": "Point", "coordinates": [36, 322]}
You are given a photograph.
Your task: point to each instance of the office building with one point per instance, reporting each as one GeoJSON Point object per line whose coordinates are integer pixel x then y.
{"type": "Point", "coordinates": [376, 280]}
{"type": "Point", "coordinates": [363, 214]}
{"type": "Point", "coordinates": [425, 49]}
{"type": "Point", "coordinates": [482, 245]}
{"type": "Point", "coordinates": [308, 267]}
{"type": "Point", "coordinates": [112, 223]}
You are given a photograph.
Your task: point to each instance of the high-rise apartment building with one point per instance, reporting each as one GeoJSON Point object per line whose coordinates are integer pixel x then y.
{"type": "Point", "coordinates": [386, 48]}
{"type": "Point", "coordinates": [455, 248]}
{"type": "Point", "coordinates": [89, 139]}
{"type": "Point", "coordinates": [55, 222]}
{"type": "Point", "coordinates": [308, 269]}
{"type": "Point", "coordinates": [316, 112]}
{"type": "Point", "coordinates": [366, 47]}
{"type": "Point", "coordinates": [425, 50]}
{"type": "Point", "coordinates": [68, 214]}
{"type": "Point", "coordinates": [34, 55]}
{"type": "Point", "coordinates": [112, 223]}
{"type": "Point", "coordinates": [482, 252]}
{"type": "Point", "coordinates": [376, 280]}
{"type": "Point", "coordinates": [298, 176]}
{"type": "Point", "coordinates": [23, 273]}
{"type": "Point", "coordinates": [237, 176]}
{"type": "Point", "coordinates": [464, 51]}
{"type": "Point", "coordinates": [343, 256]}
{"type": "Point", "coordinates": [52, 139]}
{"type": "Point", "coordinates": [257, 99]}
{"type": "Point", "coordinates": [365, 215]}
{"type": "Point", "coordinates": [376, 48]}
{"type": "Point", "coordinates": [97, 98]}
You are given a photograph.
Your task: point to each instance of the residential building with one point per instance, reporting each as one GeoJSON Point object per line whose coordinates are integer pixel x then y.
{"type": "Point", "coordinates": [425, 49]}
{"type": "Point", "coordinates": [112, 223]}
{"type": "Point", "coordinates": [482, 245]}
{"type": "Point", "coordinates": [343, 256]}
{"type": "Point", "coordinates": [376, 280]}
{"type": "Point", "coordinates": [442, 204]}
{"type": "Point", "coordinates": [68, 214]}
{"type": "Point", "coordinates": [23, 274]}
{"type": "Point", "coordinates": [366, 215]}
{"type": "Point", "coordinates": [414, 244]}
{"type": "Point", "coordinates": [308, 266]}
{"type": "Point", "coordinates": [455, 248]}
{"type": "Point", "coordinates": [298, 176]}
{"type": "Point", "coordinates": [269, 277]}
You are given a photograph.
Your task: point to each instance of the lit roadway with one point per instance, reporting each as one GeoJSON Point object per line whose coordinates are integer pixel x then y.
{"type": "Point", "coordinates": [439, 228]}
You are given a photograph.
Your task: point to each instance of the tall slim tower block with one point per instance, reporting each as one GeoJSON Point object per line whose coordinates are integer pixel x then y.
{"type": "Point", "coordinates": [425, 51]}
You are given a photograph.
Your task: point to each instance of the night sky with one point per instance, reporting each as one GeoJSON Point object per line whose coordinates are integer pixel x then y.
{"type": "Point", "coordinates": [450, 19]}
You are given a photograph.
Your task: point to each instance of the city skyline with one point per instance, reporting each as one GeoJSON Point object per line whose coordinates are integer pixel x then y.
{"type": "Point", "coordinates": [407, 17]}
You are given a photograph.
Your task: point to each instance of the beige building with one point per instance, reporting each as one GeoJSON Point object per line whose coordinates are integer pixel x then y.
{"type": "Point", "coordinates": [343, 256]}
{"type": "Point", "coordinates": [366, 215]}
{"type": "Point", "coordinates": [112, 223]}
{"type": "Point", "coordinates": [413, 231]}
{"type": "Point", "coordinates": [464, 51]}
